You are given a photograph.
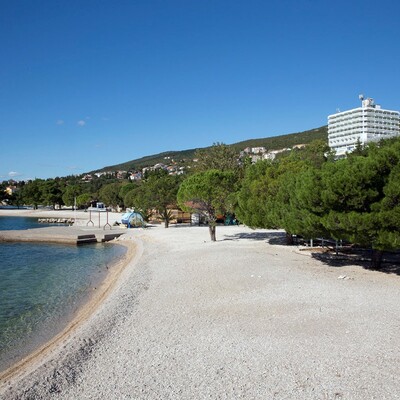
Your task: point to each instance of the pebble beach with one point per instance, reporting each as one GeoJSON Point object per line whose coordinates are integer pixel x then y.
{"type": "Point", "coordinates": [245, 317]}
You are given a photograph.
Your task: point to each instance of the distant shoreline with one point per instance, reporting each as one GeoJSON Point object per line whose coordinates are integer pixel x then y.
{"type": "Point", "coordinates": [41, 213]}
{"type": "Point", "coordinates": [81, 216]}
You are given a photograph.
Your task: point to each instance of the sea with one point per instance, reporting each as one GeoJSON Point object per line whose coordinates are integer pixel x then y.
{"type": "Point", "coordinates": [43, 285]}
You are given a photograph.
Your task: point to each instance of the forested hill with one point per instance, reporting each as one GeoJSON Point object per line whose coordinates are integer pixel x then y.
{"type": "Point", "coordinates": [270, 143]}
{"type": "Point", "coordinates": [285, 141]}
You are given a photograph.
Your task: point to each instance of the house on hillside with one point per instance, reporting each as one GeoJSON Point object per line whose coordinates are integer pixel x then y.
{"type": "Point", "coordinates": [135, 176]}
{"type": "Point", "coordinates": [254, 150]}
{"type": "Point", "coordinates": [100, 174]}
{"type": "Point", "coordinates": [121, 174]}
{"type": "Point", "coordinates": [299, 146]}
{"type": "Point", "coordinates": [172, 169]}
{"type": "Point", "coordinates": [87, 178]}
{"type": "Point", "coordinates": [271, 155]}
{"type": "Point", "coordinates": [258, 150]}
{"type": "Point", "coordinates": [154, 168]}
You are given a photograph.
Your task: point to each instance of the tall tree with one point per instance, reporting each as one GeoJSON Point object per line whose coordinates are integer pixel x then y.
{"type": "Point", "coordinates": [109, 194]}
{"type": "Point", "coordinates": [255, 194]}
{"type": "Point", "coordinates": [266, 192]}
{"type": "Point", "coordinates": [360, 193]}
{"type": "Point", "coordinates": [162, 192]}
{"type": "Point", "coordinates": [70, 194]}
{"type": "Point", "coordinates": [83, 200]}
{"type": "Point", "coordinates": [138, 200]}
{"type": "Point", "coordinates": [127, 187]}
{"type": "Point", "coordinates": [299, 198]}
{"type": "Point", "coordinates": [52, 193]}
{"type": "Point", "coordinates": [388, 213]}
{"type": "Point", "coordinates": [32, 193]}
{"type": "Point", "coordinates": [219, 156]}
{"type": "Point", "coordinates": [281, 193]}
{"type": "Point", "coordinates": [157, 192]}
{"type": "Point", "coordinates": [208, 193]}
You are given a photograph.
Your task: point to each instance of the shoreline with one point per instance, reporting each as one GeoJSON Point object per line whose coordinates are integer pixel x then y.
{"type": "Point", "coordinates": [243, 317]}
{"type": "Point", "coordinates": [37, 357]}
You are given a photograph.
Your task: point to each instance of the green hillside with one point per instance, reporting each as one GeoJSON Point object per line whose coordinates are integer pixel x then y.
{"type": "Point", "coordinates": [151, 160]}
{"type": "Point", "coordinates": [285, 141]}
{"type": "Point", "coordinates": [270, 143]}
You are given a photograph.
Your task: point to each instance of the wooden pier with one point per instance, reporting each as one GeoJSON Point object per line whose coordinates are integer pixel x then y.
{"type": "Point", "coordinates": [62, 234]}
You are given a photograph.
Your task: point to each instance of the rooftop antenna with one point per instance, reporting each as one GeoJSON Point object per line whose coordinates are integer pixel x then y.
{"type": "Point", "coordinates": [361, 97]}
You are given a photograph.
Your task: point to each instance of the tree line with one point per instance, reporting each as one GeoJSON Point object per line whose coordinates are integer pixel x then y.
{"type": "Point", "coordinates": [305, 192]}
{"type": "Point", "coordinates": [308, 193]}
{"type": "Point", "coordinates": [354, 199]}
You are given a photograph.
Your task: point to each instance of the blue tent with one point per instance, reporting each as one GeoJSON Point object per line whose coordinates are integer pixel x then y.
{"type": "Point", "coordinates": [132, 219]}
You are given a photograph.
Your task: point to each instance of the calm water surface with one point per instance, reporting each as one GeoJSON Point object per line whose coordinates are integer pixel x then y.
{"type": "Point", "coordinates": [20, 223]}
{"type": "Point", "coordinates": [42, 285]}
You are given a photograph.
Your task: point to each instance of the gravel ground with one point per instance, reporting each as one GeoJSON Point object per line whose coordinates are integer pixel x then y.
{"type": "Point", "coordinates": [242, 318]}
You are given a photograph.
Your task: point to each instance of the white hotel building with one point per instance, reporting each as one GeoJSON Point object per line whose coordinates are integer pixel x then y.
{"type": "Point", "coordinates": [368, 123]}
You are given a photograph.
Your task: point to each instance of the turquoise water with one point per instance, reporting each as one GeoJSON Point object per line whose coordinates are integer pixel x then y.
{"type": "Point", "coordinates": [18, 223]}
{"type": "Point", "coordinates": [41, 286]}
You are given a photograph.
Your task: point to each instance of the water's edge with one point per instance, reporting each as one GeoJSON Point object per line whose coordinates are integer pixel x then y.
{"type": "Point", "coordinates": [17, 358]}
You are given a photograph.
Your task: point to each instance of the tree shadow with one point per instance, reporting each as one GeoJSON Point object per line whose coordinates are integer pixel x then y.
{"type": "Point", "coordinates": [344, 257]}
{"type": "Point", "coordinates": [278, 238]}
{"type": "Point", "coordinates": [362, 258]}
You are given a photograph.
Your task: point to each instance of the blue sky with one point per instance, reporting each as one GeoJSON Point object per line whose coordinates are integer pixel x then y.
{"type": "Point", "coordinates": [86, 84]}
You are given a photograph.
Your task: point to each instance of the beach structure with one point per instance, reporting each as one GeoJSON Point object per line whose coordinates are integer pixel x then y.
{"type": "Point", "coordinates": [132, 219]}
{"type": "Point", "coordinates": [61, 235]}
{"type": "Point", "coordinates": [361, 125]}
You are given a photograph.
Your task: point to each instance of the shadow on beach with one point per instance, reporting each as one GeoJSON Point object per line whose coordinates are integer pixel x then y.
{"type": "Point", "coordinates": [358, 257]}
{"type": "Point", "coordinates": [276, 238]}
{"type": "Point", "coordinates": [390, 261]}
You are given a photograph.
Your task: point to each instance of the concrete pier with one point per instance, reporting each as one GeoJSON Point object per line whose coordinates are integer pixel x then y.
{"type": "Point", "coordinates": [62, 234]}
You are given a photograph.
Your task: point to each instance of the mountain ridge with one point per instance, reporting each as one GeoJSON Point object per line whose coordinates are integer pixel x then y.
{"type": "Point", "coordinates": [270, 143]}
